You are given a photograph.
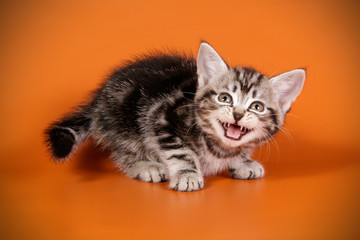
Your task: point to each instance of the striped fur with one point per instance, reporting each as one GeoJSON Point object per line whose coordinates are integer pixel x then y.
{"type": "Point", "coordinates": [161, 117]}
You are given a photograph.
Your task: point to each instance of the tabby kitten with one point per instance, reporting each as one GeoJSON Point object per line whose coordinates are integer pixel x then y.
{"type": "Point", "coordinates": [169, 117]}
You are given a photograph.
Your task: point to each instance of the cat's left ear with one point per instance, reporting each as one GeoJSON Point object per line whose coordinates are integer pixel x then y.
{"type": "Point", "coordinates": [288, 86]}
{"type": "Point", "coordinates": [209, 64]}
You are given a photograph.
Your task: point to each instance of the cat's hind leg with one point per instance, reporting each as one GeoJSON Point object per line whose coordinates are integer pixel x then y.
{"type": "Point", "coordinates": [141, 167]}
{"type": "Point", "coordinates": [148, 171]}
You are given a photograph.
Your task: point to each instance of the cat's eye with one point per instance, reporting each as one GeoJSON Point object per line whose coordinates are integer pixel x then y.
{"type": "Point", "coordinates": [225, 98]}
{"type": "Point", "coordinates": [257, 106]}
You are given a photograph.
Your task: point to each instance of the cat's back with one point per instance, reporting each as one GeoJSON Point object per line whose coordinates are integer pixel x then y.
{"type": "Point", "coordinates": [134, 92]}
{"type": "Point", "coordinates": [156, 74]}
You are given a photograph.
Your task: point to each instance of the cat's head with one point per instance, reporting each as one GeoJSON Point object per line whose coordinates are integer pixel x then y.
{"type": "Point", "coordinates": [240, 106]}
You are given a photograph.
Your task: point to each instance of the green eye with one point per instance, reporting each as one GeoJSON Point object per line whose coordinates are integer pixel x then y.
{"type": "Point", "coordinates": [225, 98]}
{"type": "Point", "coordinates": [257, 106]}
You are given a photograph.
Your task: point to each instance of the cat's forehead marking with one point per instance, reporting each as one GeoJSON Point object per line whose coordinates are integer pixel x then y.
{"type": "Point", "coordinates": [254, 94]}
{"type": "Point", "coordinates": [248, 78]}
{"type": "Point", "coordinates": [234, 88]}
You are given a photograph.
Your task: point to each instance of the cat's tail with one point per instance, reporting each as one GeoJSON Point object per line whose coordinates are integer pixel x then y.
{"type": "Point", "coordinates": [65, 135]}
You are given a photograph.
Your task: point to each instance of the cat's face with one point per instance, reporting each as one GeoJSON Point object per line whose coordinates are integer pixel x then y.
{"type": "Point", "coordinates": [238, 107]}
{"type": "Point", "coordinates": [241, 106]}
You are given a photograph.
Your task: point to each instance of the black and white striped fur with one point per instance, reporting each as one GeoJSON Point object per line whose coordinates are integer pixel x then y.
{"type": "Point", "coordinates": [169, 117]}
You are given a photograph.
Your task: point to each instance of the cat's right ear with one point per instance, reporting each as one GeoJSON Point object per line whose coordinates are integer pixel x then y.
{"type": "Point", "coordinates": [209, 64]}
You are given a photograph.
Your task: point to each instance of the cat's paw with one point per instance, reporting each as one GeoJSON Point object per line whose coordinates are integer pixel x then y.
{"type": "Point", "coordinates": [149, 172]}
{"type": "Point", "coordinates": [187, 181]}
{"type": "Point", "coordinates": [250, 169]}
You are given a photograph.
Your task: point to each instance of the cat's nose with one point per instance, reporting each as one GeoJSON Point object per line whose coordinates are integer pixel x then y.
{"type": "Point", "coordinates": [237, 116]}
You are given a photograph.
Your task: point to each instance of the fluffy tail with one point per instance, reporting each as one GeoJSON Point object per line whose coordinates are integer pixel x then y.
{"type": "Point", "coordinates": [65, 135]}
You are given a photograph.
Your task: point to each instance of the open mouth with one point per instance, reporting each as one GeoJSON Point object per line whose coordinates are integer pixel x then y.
{"type": "Point", "coordinates": [234, 131]}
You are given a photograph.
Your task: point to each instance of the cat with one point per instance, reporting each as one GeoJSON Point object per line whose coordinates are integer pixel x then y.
{"type": "Point", "coordinates": [169, 117]}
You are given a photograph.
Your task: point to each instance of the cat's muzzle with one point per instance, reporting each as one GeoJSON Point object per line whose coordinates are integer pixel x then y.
{"type": "Point", "coordinates": [234, 131]}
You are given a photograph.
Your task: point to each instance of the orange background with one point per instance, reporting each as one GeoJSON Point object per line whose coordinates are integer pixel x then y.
{"type": "Point", "coordinates": [52, 53]}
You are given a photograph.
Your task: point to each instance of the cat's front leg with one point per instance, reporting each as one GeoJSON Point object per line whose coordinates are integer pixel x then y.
{"type": "Point", "coordinates": [184, 170]}
{"type": "Point", "coordinates": [186, 180]}
{"type": "Point", "coordinates": [245, 168]}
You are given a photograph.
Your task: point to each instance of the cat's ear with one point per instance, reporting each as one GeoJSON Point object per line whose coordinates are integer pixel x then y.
{"type": "Point", "coordinates": [209, 64]}
{"type": "Point", "coordinates": [288, 86]}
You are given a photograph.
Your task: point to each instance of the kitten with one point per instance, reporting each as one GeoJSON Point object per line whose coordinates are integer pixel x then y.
{"type": "Point", "coordinates": [171, 118]}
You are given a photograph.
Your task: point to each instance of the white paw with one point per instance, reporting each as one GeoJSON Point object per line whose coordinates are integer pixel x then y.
{"type": "Point", "coordinates": [250, 169]}
{"type": "Point", "coordinates": [149, 172]}
{"type": "Point", "coordinates": [187, 181]}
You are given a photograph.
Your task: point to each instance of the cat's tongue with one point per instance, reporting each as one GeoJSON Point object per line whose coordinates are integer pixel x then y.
{"type": "Point", "coordinates": [233, 131]}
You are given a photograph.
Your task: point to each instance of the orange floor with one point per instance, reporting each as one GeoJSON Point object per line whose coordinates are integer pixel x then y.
{"type": "Point", "coordinates": [52, 53]}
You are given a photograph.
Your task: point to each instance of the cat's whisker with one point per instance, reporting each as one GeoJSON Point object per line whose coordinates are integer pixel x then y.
{"type": "Point", "coordinates": [295, 116]}
{"type": "Point", "coordinates": [197, 122]}
{"type": "Point", "coordinates": [265, 135]}
{"type": "Point", "coordinates": [212, 103]}
{"type": "Point", "coordinates": [272, 140]}
{"type": "Point", "coordinates": [185, 106]}
{"type": "Point", "coordinates": [284, 131]}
